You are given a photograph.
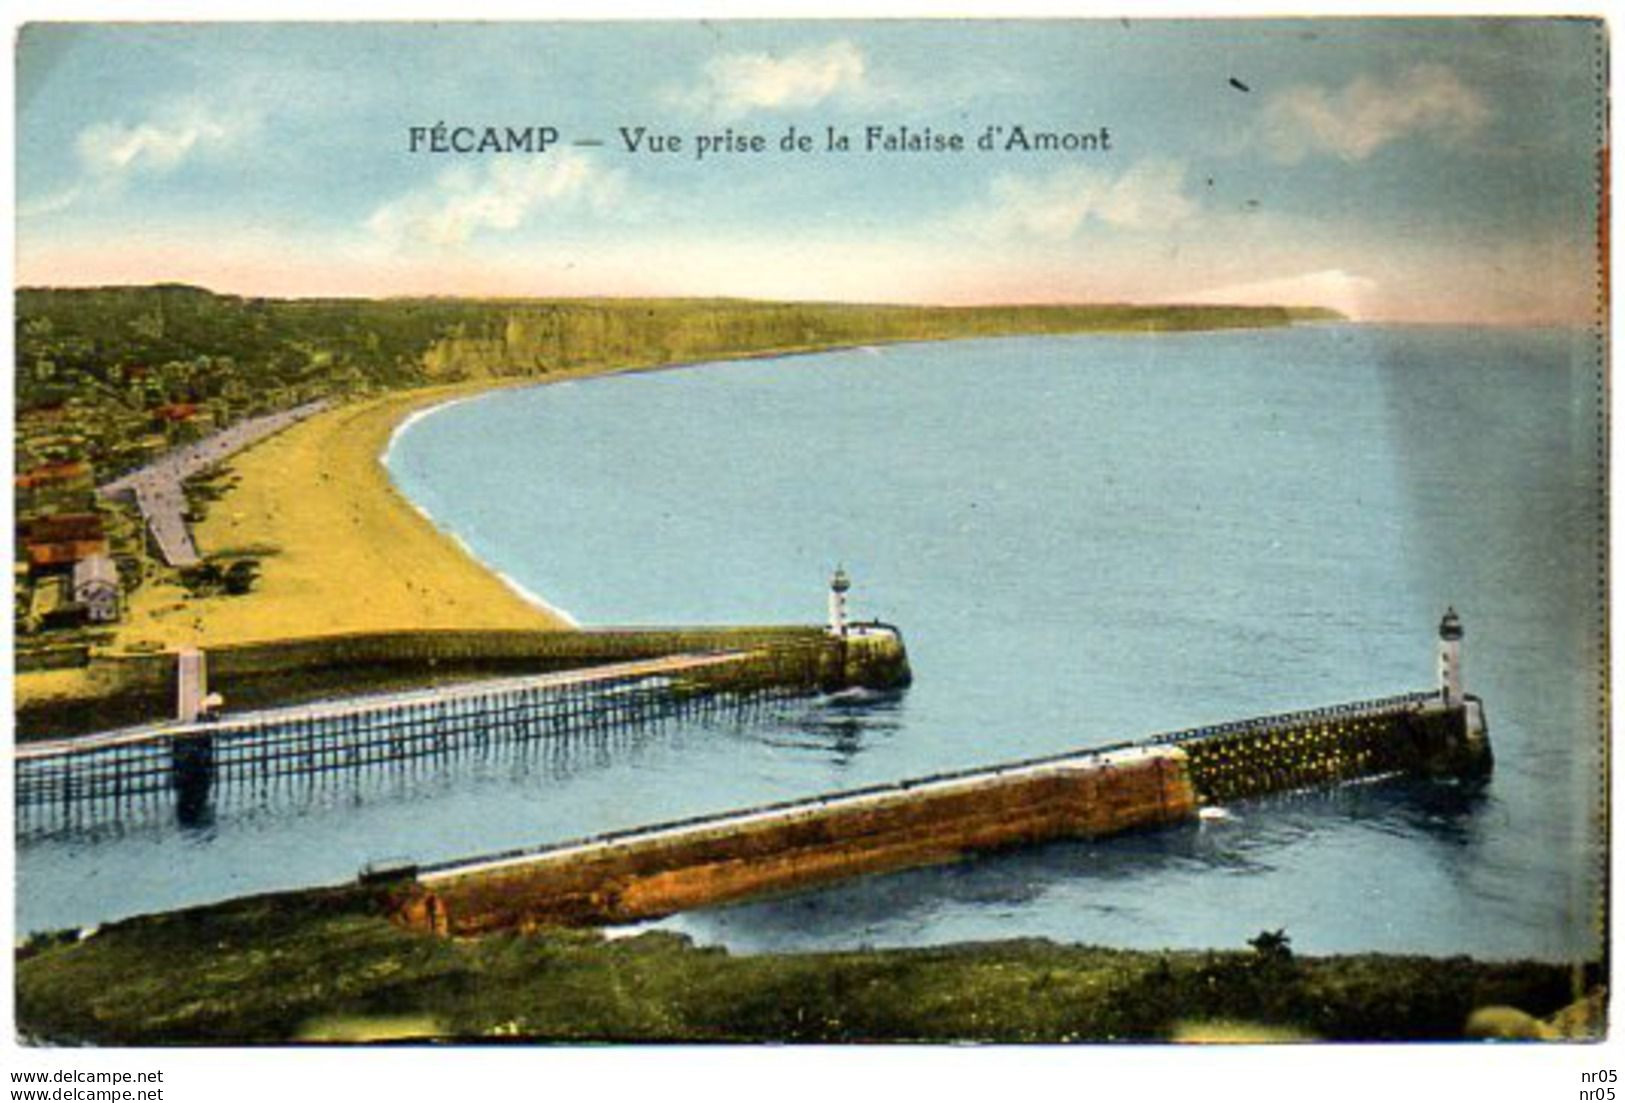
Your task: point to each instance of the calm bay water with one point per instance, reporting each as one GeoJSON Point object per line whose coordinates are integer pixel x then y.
{"type": "Point", "coordinates": [1084, 540]}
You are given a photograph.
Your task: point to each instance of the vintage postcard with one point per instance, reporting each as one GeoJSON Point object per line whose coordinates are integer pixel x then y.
{"type": "Point", "coordinates": [1030, 531]}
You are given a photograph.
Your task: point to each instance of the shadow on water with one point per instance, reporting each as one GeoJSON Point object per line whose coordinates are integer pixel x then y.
{"type": "Point", "coordinates": [199, 802]}
{"type": "Point", "coordinates": [838, 727]}
{"type": "Point", "coordinates": [1445, 812]}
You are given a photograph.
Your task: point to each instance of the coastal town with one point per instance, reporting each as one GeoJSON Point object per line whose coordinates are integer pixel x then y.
{"type": "Point", "coordinates": [106, 466]}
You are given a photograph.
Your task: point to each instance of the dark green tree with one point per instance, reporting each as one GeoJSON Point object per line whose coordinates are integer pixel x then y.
{"type": "Point", "coordinates": [241, 576]}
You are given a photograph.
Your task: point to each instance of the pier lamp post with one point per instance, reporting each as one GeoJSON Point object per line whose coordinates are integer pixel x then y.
{"type": "Point", "coordinates": [1450, 680]}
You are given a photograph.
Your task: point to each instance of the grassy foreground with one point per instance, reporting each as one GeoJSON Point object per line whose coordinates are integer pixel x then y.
{"type": "Point", "coordinates": [326, 967]}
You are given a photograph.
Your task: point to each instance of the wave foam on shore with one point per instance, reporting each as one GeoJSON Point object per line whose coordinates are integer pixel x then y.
{"type": "Point", "coordinates": [528, 596]}
{"type": "Point", "coordinates": [412, 419]}
{"type": "Point", "coordinates": [531, 597]}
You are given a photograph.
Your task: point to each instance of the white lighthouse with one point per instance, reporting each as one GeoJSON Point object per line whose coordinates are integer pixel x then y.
{"type": "Point", "coordinates": [839, 584]}
{"type": "Point", "coordinates": [1450, 679]}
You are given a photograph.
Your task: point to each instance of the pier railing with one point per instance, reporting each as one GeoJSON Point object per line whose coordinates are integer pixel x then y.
{"type": "Point", "coordinates": [90, 777]}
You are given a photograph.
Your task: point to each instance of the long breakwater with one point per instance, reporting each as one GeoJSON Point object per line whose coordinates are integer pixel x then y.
{"type": "Point", "coordinates": [664, 868]}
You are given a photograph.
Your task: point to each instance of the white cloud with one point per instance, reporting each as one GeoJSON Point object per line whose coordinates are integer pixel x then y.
{"type": "Point", "coordinates": [158, 144]}
{"type": "Point", "coordinates": [1149, 195]}
{"type": "Point", "coordinates": [49, 204]}
{"type": "Point", "coordinates": [735, 84]}
{"type": "Point", "coordinates": [1364, 115]}
{"type": "Point", "coordinates": [111, 154]}
{"type": "Point", "coordinates": [502, 197]}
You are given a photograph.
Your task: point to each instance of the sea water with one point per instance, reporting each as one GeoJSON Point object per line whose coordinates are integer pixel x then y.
{"type": "Point", "coordinates": [1084, 539]}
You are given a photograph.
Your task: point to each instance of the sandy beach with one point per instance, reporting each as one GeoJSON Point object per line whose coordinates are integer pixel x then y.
{"type": "Point", "coordinates": [340, 549]}
{"type": "Point", "coordinates": [347, 552]}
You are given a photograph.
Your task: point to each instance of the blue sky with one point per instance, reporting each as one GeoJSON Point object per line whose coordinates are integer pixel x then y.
{"type": "Point", "coordinates": [1410, 170]}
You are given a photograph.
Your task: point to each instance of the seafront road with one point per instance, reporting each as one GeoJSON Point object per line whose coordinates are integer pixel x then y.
{"type": "Point", "coordinates": [156, 487]}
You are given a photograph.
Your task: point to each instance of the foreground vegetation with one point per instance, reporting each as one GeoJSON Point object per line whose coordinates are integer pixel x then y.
{"type": "Point", "coordinates": [326, 966]}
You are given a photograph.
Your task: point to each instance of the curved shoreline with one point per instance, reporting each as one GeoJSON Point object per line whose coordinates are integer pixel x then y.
{"type": "Point", "coordinates": [280, 487]}
{"type": "Point", "coordinates": [342, 550]}
{"type": "Point", "coordinates": [520, 590]}
{"type": "Point", "coordinates": [289, 502]}
{"type": "Point", "coordinates": [417, 415]}
{"type": "Point", "coordinates": [420, 404]}
{"type": "Point", "coordinates": [345, 550]}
